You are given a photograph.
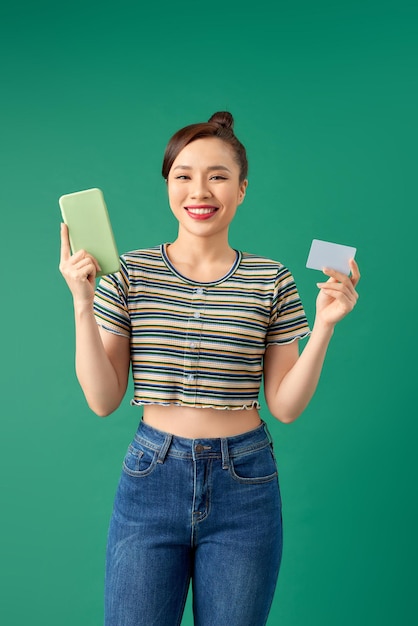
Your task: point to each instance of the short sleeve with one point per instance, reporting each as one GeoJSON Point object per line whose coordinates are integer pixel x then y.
{"type": "Point", "coordinates": [111, 302]}
{"type": "Point", "coordinates": [288, 320]}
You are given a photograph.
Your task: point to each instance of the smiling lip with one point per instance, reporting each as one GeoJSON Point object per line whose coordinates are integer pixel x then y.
{"type": "Point", "coordinates": [201, 211]}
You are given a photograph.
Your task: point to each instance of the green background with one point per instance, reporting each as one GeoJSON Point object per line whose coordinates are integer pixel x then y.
{"type": "Point", "coordinates": [325, 99]}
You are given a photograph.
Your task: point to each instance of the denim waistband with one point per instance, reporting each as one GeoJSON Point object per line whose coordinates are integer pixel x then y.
{"type": "Point", "coordinates": [166, 444]}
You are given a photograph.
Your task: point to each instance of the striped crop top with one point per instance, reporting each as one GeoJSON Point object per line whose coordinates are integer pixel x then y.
{"type": "Point", "coordinates": [199, 344]}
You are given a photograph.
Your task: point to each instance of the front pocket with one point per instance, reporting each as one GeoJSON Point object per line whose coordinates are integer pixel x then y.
{"type": "Point", "coordinates": [139, 461]}
{"type": "Point", "coordinates": [254, 467]}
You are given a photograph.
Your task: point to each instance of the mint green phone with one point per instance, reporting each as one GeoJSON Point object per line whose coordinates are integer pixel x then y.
{"type": "Point", "coordinates": [89, 227]}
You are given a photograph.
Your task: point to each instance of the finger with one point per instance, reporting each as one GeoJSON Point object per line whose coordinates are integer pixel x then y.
{"type": "Point", "coordinates": [339, 276]}
{"type": "Point", "coordinates": [342, 295]}
{"type": "Point", "coordinates": [82, 263]}
{"type": "Point", "coordinates": [81, 255]}
{"type": "Point", "coordinates": [331, 279]}
{"type": "Point", "coordinates": [78, 256]}
{"type": "Point", "coordinates": [92, 264]}
{"type": "Point", "coordinates": [344, 289]}
{"type": "Point", "coordinates": [347, 285]}
{"type": "Point", "coordinates": [348, 281]}
{"type": "Point", "coordinates": [338, 294]}
{"type": "Point", "coordinates": [334, 284]}
{"type": "Point", "coordinates": [96, 263]}
{"type": "Point", "coordinates": [355, 272]}
{"type": "Point", "coordinates": [85, 267]}
{"type": "Point", "coordinates": [65, 243]}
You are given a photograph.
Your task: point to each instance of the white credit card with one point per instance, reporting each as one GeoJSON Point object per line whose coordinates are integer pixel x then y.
{"type": "Point", "coordinates": [332, 255]}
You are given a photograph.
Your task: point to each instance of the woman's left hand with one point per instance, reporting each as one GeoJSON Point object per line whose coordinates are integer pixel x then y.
{"type": "Point", "coordinates": [337, 296]}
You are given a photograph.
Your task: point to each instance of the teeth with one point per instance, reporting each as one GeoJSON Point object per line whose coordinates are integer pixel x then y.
{"type": "Point", "coordinates": [201, 211]}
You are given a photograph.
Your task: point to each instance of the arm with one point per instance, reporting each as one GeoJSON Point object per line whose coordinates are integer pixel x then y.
{"type": "Point", "coordinates": [290, 380]}
{"type": "Point", "coordinates": [102, 358]}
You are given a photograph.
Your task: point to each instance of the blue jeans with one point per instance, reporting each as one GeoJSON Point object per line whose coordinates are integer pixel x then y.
{"type": "Point", "coordinates": [205, 510]}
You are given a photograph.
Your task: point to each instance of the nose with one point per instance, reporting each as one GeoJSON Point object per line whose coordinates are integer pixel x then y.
{"type": "Point", "coordinates": [200, 189]}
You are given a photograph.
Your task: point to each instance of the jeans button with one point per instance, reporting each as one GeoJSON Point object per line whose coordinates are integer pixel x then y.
{"type": "Point", "coordinates": [199, 447]}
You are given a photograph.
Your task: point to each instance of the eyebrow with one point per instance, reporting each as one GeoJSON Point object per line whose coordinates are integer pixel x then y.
{"type": "Point", "coordinates": [211, 168]}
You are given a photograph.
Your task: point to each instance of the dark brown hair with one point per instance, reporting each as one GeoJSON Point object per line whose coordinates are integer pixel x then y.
{"type": "Point", "coordinates": [221, 126]}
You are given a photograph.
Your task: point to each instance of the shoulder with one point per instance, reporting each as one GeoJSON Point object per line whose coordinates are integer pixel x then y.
{"type": "Point", "coordinates": [268, 273]}
{"type": "Point", "coordinates": [255, 260]}
{"type": "Point", "coordinates": [142, 256]}
{"type": "Point", "coordinates": [142, 262]}
{"type": "Point", "coordinates": [134, 265]}
{"type": "Point", "coordinates": [254, 264]}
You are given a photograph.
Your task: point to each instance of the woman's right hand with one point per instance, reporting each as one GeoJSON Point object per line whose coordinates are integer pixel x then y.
{"type": "Point", "coordinates": [79, 270]}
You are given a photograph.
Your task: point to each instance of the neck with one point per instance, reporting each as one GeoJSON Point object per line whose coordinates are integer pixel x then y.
{"type": "Point", "coordinates": [195, 250]}
{"type": "Point", "coordinates": [201, 259]}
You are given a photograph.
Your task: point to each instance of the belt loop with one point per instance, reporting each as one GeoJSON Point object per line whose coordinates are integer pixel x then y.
{"type": "Point", "coordinates": [225, 453]}
{"type": "Point", "coordinates": [164, 448]}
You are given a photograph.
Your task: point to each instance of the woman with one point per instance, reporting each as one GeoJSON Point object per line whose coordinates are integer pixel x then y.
{"type": "Point", "coordinates": [200, 323]}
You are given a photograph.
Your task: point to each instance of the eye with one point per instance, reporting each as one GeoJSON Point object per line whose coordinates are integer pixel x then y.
{"type": "Point", "coordinates": [182, 177]}
{"type": "Point", "coordinates": [218, 177]}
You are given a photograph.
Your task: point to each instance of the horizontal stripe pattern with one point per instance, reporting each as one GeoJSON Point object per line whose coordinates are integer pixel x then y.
{"type": "Point", "coordinates": [199, 344]}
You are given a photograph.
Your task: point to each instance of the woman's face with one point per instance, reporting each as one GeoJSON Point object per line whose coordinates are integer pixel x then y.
{"type": "Point", "coordinates": [204, 188]}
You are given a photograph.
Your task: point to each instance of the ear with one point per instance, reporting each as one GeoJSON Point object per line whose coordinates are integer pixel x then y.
{"type": "Point", "coordinates": [242, 190]}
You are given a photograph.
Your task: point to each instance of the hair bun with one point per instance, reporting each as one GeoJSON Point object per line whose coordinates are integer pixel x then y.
{"type": "Point", "coordinates": [222, 118]}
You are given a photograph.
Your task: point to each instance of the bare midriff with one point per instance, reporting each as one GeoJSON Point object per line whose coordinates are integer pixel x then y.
{"type": "Point", "coordinates": [194, 423]}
